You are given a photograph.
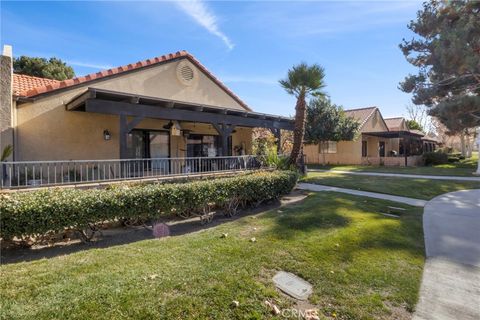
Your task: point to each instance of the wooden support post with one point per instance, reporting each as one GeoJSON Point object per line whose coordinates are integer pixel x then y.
{"type": "Point", "coordinates": [278, 137]}
{"type": "Point", "coordinates": [405, 141]}
{"type": "Point", "coordinates": [125, 128]}
{"type": "Point", "coordinates": [123, 136]}
{"type": "Point", "coordinates": [224, 131]}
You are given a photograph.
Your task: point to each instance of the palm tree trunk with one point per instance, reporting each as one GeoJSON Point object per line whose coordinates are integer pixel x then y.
{"type": "Point", "coordinates": [299, 130]}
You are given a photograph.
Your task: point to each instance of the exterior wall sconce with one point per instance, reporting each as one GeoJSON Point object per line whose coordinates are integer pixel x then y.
{"type": "Point", "coordinates": [186, 133]}
{"type": "Point", "coordinates": [106, 135]}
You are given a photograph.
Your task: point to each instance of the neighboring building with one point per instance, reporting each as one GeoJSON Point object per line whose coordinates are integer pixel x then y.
{"type": "Point", "coordinates": [379, 141]}
{"type": "Point", "coordinates": [170, 106]}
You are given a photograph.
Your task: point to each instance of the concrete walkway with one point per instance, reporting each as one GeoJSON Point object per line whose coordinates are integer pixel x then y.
{"type": "Point", "coordinates": [450, 288]}
{"type": "Point", "coordinates": [318, 187]}
{"type": "Point", "coordinates": [451, 278]}
{"type": "Point", "coordinates": [399, 175]}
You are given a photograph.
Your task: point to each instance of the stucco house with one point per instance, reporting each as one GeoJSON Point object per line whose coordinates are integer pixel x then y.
{"type": "Point", "coordinates": [170, 106]}
{"type": "Point", "coordinates": [379, 141]}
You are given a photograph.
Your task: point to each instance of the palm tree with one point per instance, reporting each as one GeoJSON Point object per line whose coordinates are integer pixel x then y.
{"type": "Point", "coordinates": [302, 80]}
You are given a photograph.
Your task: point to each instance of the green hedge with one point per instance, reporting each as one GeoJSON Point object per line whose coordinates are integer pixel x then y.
{"type": "Point", "coordinates": [27, 214]}
{"type": "Point", "coordinates": [434, 158]}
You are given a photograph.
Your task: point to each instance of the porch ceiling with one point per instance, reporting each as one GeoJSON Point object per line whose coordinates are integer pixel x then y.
{"type": "Point", "coordinates": [126, 104]}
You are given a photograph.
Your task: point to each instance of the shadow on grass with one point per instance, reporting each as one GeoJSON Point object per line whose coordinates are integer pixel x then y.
{"type": "Point", "coordinates": [365, 227]}
{"type": "Point", "coordinates": [305, 218]}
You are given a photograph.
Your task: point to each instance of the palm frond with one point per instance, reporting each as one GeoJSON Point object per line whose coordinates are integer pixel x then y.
{"type": "Point", "coordinates": [7, 151]}
{"type": "Point", "coordinates": [305, 79]}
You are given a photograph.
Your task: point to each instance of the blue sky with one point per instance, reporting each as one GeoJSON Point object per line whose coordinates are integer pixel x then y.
{"type": "Point", "coordinates": [248, 45]}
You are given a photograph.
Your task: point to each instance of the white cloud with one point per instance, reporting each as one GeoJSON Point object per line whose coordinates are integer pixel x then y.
{"type": "Point", "coordinates": [304, 19]}
{"type": "Point", "coordinates": [89, 65]}
{"type": "Point", "coordinates": [200, 12]}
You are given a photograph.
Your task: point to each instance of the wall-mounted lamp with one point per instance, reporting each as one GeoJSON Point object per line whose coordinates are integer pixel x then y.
{"type": "Point", "coordinates": [186, 133]}
{"type": "Point", "coordinates": [106, 135]}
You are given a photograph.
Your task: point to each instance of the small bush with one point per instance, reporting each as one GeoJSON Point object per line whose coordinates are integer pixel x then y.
{"type": "Point", "coordinates": [434, 158]}
{"type": "Point", "coordinates": [30, 214]}
{"type": "Point", "coordinates": [274, 160]}
{"type": "Point", "coordinates": [453, 159]}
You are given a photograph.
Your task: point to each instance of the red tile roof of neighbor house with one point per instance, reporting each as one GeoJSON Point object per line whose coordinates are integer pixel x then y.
{"type": "Point", "coordinates": [53, 85]}
{"type": "Point", "coordinates": [394, 124]}
{"type": "Point", "coordinates": [361, 114]}
{"type": "Point", "coordinates": [23, 83]}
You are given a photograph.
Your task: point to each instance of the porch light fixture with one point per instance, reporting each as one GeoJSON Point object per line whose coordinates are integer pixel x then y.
{"type": "Point", "coordinates": [186, 133]}
{"type": "Point", "coordinates": [106, 135]}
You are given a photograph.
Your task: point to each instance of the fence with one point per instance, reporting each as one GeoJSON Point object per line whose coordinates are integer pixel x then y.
{"type": "Point", "coordinates": [20, 174]}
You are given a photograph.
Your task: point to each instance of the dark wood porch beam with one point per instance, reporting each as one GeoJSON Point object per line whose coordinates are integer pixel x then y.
{"type": "Point", "coordinates": [128, 109]}
{"type": "Point", "coordinates": [80, 99]}
{"type": "Point", "coordinates": [135, 100]}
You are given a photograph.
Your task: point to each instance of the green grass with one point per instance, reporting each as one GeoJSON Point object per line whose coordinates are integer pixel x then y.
{"type": "Point", "coordinates": [407, 187]}
{"type": "Point", "coordinates": [362, 265]}
{"type": "Point", "coordinates": [462, 168]}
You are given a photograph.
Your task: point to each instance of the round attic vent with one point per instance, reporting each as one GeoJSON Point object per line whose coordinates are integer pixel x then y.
{"type": "Point", "coordinates": [185, 73]}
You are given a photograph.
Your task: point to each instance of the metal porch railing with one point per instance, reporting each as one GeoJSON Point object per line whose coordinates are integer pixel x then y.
{"type": "Point", "coordinates": [29, 174]}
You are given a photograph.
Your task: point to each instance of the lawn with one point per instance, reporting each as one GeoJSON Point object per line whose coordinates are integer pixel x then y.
{"type": "Point", "coordinates": [408, 187]}
{"type": "Point", "coordinates": [363, 265]}
{"type": "Point", "coordinates": [463, 168]}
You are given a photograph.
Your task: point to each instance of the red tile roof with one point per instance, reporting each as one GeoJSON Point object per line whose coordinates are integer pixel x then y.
{"type": "Point", "coordinates": [57, 85]}
{"type": "Point", "coordinates": [23, 83]}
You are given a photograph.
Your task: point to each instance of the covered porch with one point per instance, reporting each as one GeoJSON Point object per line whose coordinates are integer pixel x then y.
{"type": "Point", "coordinates": [392, 148]}
{"type": "Point", "coordinates": [147, 138]}
{"type": "Point", "coordinates": [193, 130]}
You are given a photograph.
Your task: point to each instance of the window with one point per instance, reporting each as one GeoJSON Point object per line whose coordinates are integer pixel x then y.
{"type": "Point", "coordinates": [199, 145]}
{"type": "Point", "coordinates": [327, 147]}
{"type": "Point", "coordinates": [364, 149]}
{"type": "Point", "coordinates": [148, 144]}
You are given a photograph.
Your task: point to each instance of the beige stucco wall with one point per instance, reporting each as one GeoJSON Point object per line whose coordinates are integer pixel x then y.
{"type": "Point", "coordinates": [373, 145]}
{"type": "Point", "coordinates": [46, 131]}
{"type": "Point", "coordinates": [374, 124]}
{"type": "Point", "coordinates": [350, 152]}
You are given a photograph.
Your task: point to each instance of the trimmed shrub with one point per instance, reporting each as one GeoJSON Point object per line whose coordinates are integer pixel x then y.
{"type": "Point", "coordinates": [453, 159]}
{"type": "Point", "coordinates": [30, 214]}
{"type": "Point", "coordinates": [433, 158]}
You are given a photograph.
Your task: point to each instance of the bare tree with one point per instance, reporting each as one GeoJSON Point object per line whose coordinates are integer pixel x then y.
{"type": "Point", "coordinates": [419, 114]}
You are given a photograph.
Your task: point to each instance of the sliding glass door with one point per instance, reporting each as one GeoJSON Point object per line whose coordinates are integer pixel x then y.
{"type": "Point", "coordinates": [153, 147]}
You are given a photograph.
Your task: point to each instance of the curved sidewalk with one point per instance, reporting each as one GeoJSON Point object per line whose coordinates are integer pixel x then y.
{"type": "Point", "coordinates": [399, 175]}
{"type": "Point", "coordinates": [319, 187]}
{"type": "Point", "coordinates": [451, 278]}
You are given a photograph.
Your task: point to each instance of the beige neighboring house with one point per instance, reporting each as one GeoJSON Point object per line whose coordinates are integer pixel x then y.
{"type": "Point", "coordinates": [169, 106]}
{"type": "Point", "coordinates": [379, 141]}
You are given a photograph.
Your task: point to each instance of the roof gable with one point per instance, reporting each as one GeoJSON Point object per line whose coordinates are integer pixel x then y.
{"type": "Point", "coordinates": [361, 114]}
{"type": "Point", "coordinates": [396, 124]}
{"type": "Point", "coordinates": [50, 87]}
{"type": "Point", "coordinates": [370, 119]}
